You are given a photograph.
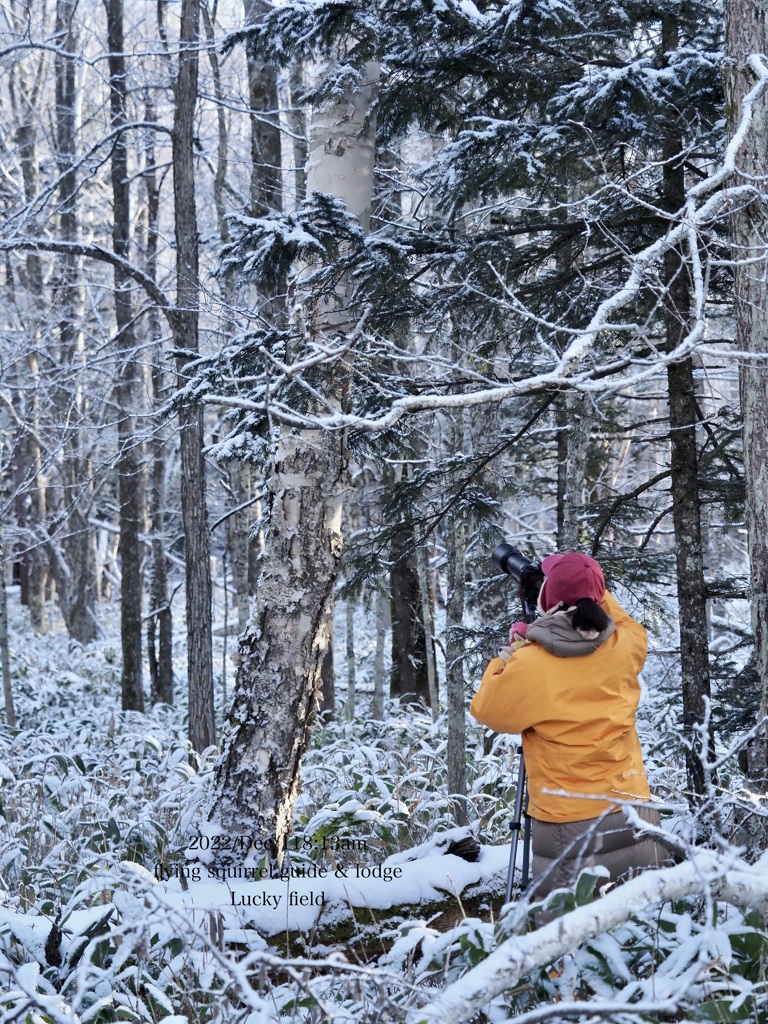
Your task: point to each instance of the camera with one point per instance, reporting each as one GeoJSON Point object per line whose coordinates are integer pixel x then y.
{"type": "Point", "coordinates": [527, 572]}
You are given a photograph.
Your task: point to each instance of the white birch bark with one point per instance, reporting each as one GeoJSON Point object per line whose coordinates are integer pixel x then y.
{"type": "Point", "coordinates": [281, 653]}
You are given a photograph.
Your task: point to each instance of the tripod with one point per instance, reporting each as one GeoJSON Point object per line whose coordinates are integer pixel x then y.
{"type": "Point", "coordinates": [520, 821]}
{"type": "Point", "coordinates": [530, 579]}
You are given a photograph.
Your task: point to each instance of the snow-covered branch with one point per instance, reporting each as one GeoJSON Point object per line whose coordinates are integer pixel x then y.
{"type": "Point", "coordinates": [734, 882]}
{"type": "Point", "coordinates": [92, 250]}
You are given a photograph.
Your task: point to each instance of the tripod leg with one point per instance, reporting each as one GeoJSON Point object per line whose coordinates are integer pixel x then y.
{"type": "Point", "coordinates": [526, 870]}
{"type": "Point", "coordinates": [516, 826]}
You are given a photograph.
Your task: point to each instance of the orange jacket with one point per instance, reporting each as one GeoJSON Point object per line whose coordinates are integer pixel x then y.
{"type": "Point", "coordinates": [577, 721]}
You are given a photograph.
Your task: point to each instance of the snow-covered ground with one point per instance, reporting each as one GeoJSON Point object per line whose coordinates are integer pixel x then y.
{"type": "Point", "coordinates": [108, 912]}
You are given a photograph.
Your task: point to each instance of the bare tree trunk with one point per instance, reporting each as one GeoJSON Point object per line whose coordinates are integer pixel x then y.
{"type": "Point", "coordinates": [265, 195]}
{"type": "Point", "coordinates": [5, 659]}
{"type": "Point", "coordinates": [377, 710]}
{"type": "Point", "coordinates": [239, 527]}
{"type": "Point", "coordinates": [454, 669]}
{"type": "Point", "coordinates": [746, 35]}
{"type": "Point", "coordinates": [327, 706]}
{"type": "Point", "coordinates": [409, 678]}
{"type": "Point", "coordinates": [130, 470]}
{"type": "Point", "coordinates": [573, 422]}
{"type": "Point", "coordinates": [351, 666]}
{"type": "Point", "coordinates": [425, 596]}
{"type": "Point", "coordinates": [282, 651]}
{"type": "Point", "coordinates": [494, 597]}
{"type": "Point", "coordinates": [684, 467]}
{"type": "Point", "coordinates": [202, 731]}
{"type": "Point", "coordinates": [298, 123]}
{"type": "Point", "coordinates": [266, 155]}
{"type": "Point", "coordinates": [32, 497]}
{"type": "Point", "coordinates": [76, 581]}
{"type": "Point", "coordinates": [160, 621]}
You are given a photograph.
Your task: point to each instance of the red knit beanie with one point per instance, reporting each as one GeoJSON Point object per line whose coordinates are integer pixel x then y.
{"type": "Point", "coordinates": [570, 577]}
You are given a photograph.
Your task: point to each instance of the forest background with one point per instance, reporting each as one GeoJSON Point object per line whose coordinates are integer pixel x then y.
{"type": "Point", "coordinates": [305, 308]}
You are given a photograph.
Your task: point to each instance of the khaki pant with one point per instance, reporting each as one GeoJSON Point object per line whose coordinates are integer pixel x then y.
{"type": "Point", "coordinates": [561, 851]}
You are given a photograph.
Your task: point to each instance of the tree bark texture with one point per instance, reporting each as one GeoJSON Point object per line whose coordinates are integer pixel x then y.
{"type": "Point", "coordinates": [297, 121]}
{"type": "Point", "coordinates": [409, 678]}
{"type": "Point", "coordinates": [130, 470]}
{"type": "Point", "coordinates": [160, 620]}
{"type": "Point", "coordinates": [746, 35]}
{"type": "Point", "coordinates": [202, 732]}
{"type": "Point", "coordinates": [282, 651]}
{"type": "Point", "coordinates": [425, 595]}
{"type": "Point", "coordinates": [684, 467]}
{"type": "Point", "coordinates": [32, 514]}
{"type": "Point", "coordinates": [454, 670]}
{"type": "Point", "coordinates": [75, 566]}
{"type": "Point", "coordinates": [5, 656]}
{"type": "Point", "coordinates": [377, 708]}
{"type": "Point", "coordinates": [239, 529]}
{"type": "Point", "coordinates": [574, 421]}
{"type": "Point", "coordinates": [266, 192]}
{"type": "Point", "coordinates": [351, 658]}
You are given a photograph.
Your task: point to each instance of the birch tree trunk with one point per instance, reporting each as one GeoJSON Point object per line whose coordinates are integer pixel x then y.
{"type": "Point", "coordinates": [298, 122]}
{"type": "Point", "coordinates": [202, 731]}
{"type": "Point", "coordinates": [282, 651]}
{"type": "Point", "coordinates": [24, 98]}
{"type": "Point", "coordinates": [746, 35]}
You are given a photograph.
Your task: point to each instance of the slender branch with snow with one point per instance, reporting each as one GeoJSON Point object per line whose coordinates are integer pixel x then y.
{"type": "Point", "coordinates": [736, 882]}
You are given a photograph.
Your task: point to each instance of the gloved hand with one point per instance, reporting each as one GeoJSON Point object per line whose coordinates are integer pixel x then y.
{"type": "Point", "coordinates": [517, 631]}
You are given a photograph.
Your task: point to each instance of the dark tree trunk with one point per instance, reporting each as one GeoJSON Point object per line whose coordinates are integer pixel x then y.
{"type": "Point", "coordinates": [746, 35]}
{"type": "Point", "coordinates": [160, 621]}
{"type": "Point", "coordinates": [266, 192]}
{"type": "Point", "coordinates": [130, 471]}
{"type": "Point", "coordinates": [327, 707]}
{"type": "Point", "coordinates": [454, 670]}
{"type": "Point", "coordinates": [409, 678]}
{"type": "Point", "coordinates": [684, 467]}
{"type": "Point", "coordinates": [573, 422]}
{"type": "Point", "coordinates": [185, 336]}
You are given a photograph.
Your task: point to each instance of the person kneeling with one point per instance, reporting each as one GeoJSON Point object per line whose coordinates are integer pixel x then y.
{"type": "Point", "coordinates": [569, 685]}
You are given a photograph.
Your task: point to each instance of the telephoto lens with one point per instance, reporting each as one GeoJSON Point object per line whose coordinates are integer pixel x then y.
{"type": "Point", "coordinates": [527, 572]}
{"type": "Point", "coordinates": [511, 561]}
